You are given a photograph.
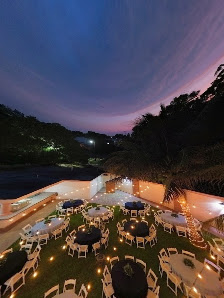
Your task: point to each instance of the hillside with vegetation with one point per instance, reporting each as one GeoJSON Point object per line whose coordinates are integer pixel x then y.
{"type": "Point", "coordinates": [181, 147]}
{"type": "Point", "coordinates": [24, 139]}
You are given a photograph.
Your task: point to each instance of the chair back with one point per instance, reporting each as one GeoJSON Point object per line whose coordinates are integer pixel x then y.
{"type": "Point", "coordinates": [69, 285]}
{"type": "Point", "coordinates": [54, 290]}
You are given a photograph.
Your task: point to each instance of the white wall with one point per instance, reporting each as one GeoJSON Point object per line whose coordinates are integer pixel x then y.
{"type": "Point", "coordinates": [203, 206]}
{"type": "Point", "coordinates": [71, 189]}
{"type": "Point", "coordinates": [125, 186]}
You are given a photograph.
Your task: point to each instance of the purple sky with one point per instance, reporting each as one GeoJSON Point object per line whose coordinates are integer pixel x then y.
{"type": "Point", "coordinates": [98, 65]}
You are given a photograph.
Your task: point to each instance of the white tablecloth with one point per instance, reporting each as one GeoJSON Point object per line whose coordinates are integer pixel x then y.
{"type": "Point", "coordinates": [43, 228]}
{"type": "Point", "coordinates": [98, 213]}
{"type": "Point", "coordinates": [208, 285]}
{"type": "Point", "coordinates": [67, 294]}
{"type": "Point", "coordinates": [175, 221]}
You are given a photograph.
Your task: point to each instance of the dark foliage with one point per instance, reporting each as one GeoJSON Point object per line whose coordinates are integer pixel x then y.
{"type": "Point", "coordinates": [24, 139]}
{"type": "Point", "coordinates": [181, 147]}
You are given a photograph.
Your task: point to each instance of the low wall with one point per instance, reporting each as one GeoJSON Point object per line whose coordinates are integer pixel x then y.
{"type": "Point", "coordinates": [204, 207]}
{"type": "Point", "coordinates": [65, 189]}
{"type": "Point", "coordinates": [10, 219]}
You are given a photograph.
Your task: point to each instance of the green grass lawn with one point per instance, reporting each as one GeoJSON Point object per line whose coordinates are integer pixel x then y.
{"type": "Point", "coordinates": [84, 271]}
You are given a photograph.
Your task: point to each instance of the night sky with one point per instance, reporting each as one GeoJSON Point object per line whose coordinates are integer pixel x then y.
{"type": "Point", "coordinates": [97, 65]}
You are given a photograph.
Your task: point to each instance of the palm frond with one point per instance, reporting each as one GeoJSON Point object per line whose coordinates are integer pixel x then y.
{"type": "Point", "coordinates": [173, 191]}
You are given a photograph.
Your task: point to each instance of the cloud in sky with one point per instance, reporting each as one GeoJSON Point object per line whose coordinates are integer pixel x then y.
{"type": "Point", "coordinates": [97, 65]}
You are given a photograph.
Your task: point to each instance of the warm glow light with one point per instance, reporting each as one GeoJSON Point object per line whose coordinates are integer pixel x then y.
{"type": "Point", "coordinates": [212, 257]}
{"type": "Point", "coordinates": [12, 295]}
{"type": "Point", "coordinates": [35, 274]}
{"type": "Point", "coordinates": [195, 290]}
{"type": "Point", "coordinates": [88, 287]}
{"type": "Point", "coordinates": [64, 247]}
{"type": "Point", "coordinates": [108, 258]}
{"type": "Point", "coordinates": [34, 209]}
{"type": "Point", "coordinates": [1, 256]}
{"type": "Point", "coordinates": [83, 230]}
{"type": "Point", "coordinates": [207, 267]}
{"type": "Point", "coordinates": [23, 214]}
{"type": "Point", "coordinates": [44, 205]}
{"type": "Point", "coordinates": [121, 240]}
{"type": "Point", "coordinates": [21, 243]}
{"type": "Point", "coordinates": [199, 275]}
{"type": "Point", "coordinates": [51, 258]}
{"type": "Point", "coordinates": [98, 270]}
{"type": "Point", "coordinates": [115, 248]}
{"type": "Point", "coordinates": [132, 227]}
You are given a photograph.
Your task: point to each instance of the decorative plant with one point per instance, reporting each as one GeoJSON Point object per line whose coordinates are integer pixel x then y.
{"type": "Point", "coordinates": [174, 214]}
{"type": "Point", "coordinates": [47, 221]}
{"type": "Point", "coordinates": [189, 263]}
{"type": "Point", "coordinates": [128, 270]}
{"type": "Point", "coordinates": [89, 230]}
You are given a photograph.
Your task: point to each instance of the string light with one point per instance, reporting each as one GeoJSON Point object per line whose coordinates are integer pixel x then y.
{"type": "Point", "coordinates": [208, 267]}
{"type": "Point", "coordinates": [98, 270]}
{"type": "Point", "coordinates": [88, 287]}
{"type": "Point", "coordinates": [34, 274]}
{"type": "Point", "coordinates": [195, 290]}
{"type": "Point", "coordinates": [51, 258]}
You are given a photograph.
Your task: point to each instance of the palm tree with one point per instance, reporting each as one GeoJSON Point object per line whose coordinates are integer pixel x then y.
{"type": "Point", "coordinates": [190, 167]}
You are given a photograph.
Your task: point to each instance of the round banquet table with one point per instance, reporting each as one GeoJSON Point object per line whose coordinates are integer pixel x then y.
{"type": "Point", "coordinates": [98, 213]}
{"type": "Point", "coordinates": [42, 228]}
{"type": "Point", "coordinates": [73, 203]}
{"type": "Point", "coordinates": [13, 264]}
{"type": "Point", "coordinates": [129, 287]}
{"type": "Point", "coordinates": [68, 294]}
{"type": "Point", "coordinates": [209, 284]}
{"type": "Point", "coordinates": [137, 206]}
{"type": "Point", "coordinates": [83, 238]}
{"type": "Point", "coordinates": [175, 221]}
{"type": "Point", "coordinates": [139, 229]}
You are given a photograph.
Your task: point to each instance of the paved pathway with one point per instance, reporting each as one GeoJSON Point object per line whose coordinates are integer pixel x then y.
{"type": "Point", "coordinates": [118, 198]}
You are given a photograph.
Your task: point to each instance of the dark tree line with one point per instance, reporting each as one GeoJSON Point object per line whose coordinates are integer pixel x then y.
{"type": "Point", "coordinates": [24, 139]}
{"type": "Point", "coordinates": [182, 146]}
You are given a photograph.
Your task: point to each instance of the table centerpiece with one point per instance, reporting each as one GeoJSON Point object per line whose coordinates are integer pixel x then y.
{"type": "Point", "coordinates": [128, 270]}
{"type": "Point", "coordinates": [189, 263]}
